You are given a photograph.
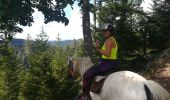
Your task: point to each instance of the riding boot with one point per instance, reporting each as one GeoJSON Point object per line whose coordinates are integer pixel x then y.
{"type": "Point", "coordinates": [88, 96]}
{"type": "Point", "coordinates": [84, 96]}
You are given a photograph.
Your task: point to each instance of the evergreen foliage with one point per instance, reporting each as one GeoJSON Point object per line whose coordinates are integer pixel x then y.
{"type": "Point", "coordinates": [47, 75]}
{"type": "Point", "coordinates": [38, 71]}
{"type": "Point", "coordinates": [11, 73]}
{"type": "Point", "coordinates": [53, 10]}
{"type": "Point", "coordinates": [137, 32]}
{"type": "Point", "coordinates": [159, 25]}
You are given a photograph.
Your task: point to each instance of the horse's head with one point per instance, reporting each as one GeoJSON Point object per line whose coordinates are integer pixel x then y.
{"type": "Point", "coordinates": [72, 67]}
{"type": "Point", "coordinates": [78, 65]}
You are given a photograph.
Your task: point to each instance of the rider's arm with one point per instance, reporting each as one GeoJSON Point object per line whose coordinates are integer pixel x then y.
{"type": "Point", "coordinates": [109, 45]}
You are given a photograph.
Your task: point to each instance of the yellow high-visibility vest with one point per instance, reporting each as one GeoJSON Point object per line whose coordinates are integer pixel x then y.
{"type": "Point", "coordinates": [113, 51]}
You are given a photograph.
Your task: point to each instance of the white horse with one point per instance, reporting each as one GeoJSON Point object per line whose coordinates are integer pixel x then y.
{"type": "Point", "coordinates": [122, 85]}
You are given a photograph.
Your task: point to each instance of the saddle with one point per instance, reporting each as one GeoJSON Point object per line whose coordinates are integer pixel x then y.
{"type": "Point", "coordinates": [98, 81]}
{"type": "Point", "coordinates": [97, 84]}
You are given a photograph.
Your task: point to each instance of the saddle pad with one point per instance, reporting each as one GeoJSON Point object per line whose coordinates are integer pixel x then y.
{"type": "Point", "coordinates": [98, 78]}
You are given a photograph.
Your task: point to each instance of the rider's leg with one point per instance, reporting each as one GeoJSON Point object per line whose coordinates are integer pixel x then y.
{"type": "Point", "coordinates": [108, 66]}
{"type": "Point", "coordinates": [99, 69]}
{"type": "Point", "coordinates": [88, 77]}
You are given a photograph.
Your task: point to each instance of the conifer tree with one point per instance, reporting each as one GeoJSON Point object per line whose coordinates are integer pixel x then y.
{"type": "Point", "coordinates": [11, 70]}
{"type": "Point", "coordinates": [39, 61]}
{"type": "Point", "coordinates": [159, 25]}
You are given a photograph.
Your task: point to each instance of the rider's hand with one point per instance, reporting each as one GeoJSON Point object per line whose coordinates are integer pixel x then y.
{"type": "Point", "coordinates": [97, 44]}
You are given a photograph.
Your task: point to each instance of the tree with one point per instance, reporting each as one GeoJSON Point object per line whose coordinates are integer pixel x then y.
{"type": "Point", "coordinates": [38, 65]}
{"type": "Point", "coordinates": [125, 31]}
{"type": "Point", "coordinates": [46, 76]}
{"type": "Point", "coordinates": [11, 69]}
{"type": "Point", "coordinates": [159, 25]}
{"type": "Point", "coordinates": [131, 29]}
{"type": "Point", "coordinates": [3, 87]}
{"type": "Point", "coordinates": [41, 43]}
{"type": "Point", "coordinates": [9, 19]}
{"type": "Point", "coordinates": [86, 28]}
{"type": "Point", "coordinates": [64, 88]}
{"type": "Point", "coordinates": [39, 73]}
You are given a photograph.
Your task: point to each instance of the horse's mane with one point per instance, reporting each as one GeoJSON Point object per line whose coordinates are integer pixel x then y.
{"type": "Point", "coordinates": [81, 64]}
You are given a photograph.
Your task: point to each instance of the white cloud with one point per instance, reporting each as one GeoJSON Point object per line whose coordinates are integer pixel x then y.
{"type": "Point", "coordinates": [146, 4]}
{"type": "Point", "coordinates": [72, 31]}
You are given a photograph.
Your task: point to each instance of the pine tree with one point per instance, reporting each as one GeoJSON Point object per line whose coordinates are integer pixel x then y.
{"type": "Point", "coordinates": [11, 70]}
{"type": "Point", "coordinates": [64, 88]}
{"type": "Point", "coordinates": [159, 27]}
{"type": "Point", "coordinates": [38, 60]}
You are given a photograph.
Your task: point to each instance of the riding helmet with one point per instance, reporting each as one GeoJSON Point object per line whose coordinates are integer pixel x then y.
{"type": "Point", "coordinates": [107, 26]}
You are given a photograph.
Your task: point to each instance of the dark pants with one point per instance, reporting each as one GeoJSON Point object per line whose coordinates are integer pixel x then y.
{"type": "Point", "coordinates": [104, 66]}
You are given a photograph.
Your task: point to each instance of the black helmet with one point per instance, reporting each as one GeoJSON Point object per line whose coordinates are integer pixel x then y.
{"type": "Point", "coordinates": [107, 26]}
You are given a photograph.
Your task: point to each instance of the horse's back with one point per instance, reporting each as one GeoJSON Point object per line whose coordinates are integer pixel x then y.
{"type": "Point", "coordinates": [127, 75]}
{"type": "Point", "coordinates": [124, 85]}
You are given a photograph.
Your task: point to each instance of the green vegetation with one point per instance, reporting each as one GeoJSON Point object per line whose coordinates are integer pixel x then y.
{"type": "Point", "coordinates": [140, 34]}
{"type": "Point", "coordinates": [38, 71]}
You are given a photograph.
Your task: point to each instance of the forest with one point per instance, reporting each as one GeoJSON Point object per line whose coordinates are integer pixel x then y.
{"type": "Point", "coordinates": [38, 70]}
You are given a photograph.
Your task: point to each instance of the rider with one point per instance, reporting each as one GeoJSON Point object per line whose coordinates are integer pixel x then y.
{"type": "Point", "coordinates": [107, 62]}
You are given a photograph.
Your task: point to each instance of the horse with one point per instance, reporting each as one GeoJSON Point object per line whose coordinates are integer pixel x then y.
{"type": "Point", "coordinates": [121, 85]}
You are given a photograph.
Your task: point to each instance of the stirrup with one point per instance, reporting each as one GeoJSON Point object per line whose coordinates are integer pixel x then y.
{"type": "Point", "coordinates": [88, 97]}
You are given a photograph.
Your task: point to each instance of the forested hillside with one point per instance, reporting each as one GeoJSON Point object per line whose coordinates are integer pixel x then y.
{"type": "Point", "coordinates": [21, 42]}
{"type": "Point", "coordinates": [37, 70]}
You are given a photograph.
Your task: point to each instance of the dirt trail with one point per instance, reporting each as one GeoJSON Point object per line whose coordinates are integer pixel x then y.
{"type": "Point", "coordinates": [162, 76]}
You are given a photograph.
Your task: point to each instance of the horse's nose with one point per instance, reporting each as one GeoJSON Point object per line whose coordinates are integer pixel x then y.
{"type": "Point", "coordinates": [70, 68]}
{"type": "Point", "coordinates": [70, 75]}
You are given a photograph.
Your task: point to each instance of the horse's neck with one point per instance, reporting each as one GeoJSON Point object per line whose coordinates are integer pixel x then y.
{"type": "Point", "coordinates": [85, 64]}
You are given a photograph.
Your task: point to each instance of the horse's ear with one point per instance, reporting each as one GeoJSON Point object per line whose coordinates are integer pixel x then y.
{"type": "Point", "coordinates": [70, 62]}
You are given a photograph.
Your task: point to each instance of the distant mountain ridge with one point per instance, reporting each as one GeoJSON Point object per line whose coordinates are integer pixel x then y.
{"type": "Point", "coordinates": [21, 42]}
{"type": "Point", "coordinates": [18, 42]}
{"type": "Point", "coordinates": [63, 43]}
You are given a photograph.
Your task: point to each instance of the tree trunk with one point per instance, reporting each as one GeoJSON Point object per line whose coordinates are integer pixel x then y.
{"type": "Point", "coordinates": [94, 15]}
{"type": "Point", "coordinates": [86, 29]}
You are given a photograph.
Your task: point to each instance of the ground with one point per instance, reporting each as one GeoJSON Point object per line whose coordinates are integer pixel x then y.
{"type": "Point", "coordinates": [162, 76]}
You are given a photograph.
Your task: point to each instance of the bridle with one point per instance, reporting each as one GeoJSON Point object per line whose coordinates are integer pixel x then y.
{"type": "Point", "coordinates": [70, 68]}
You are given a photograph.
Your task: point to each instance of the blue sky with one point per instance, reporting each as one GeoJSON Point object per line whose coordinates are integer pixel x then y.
{"type": "Point", "coordinates": [53, 29]}
{"type": "Point", "coordinates": [71, 31]}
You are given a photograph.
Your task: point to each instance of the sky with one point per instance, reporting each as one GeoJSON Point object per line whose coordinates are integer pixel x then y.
{"type": "Point", "coordinates": [54, 29]}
